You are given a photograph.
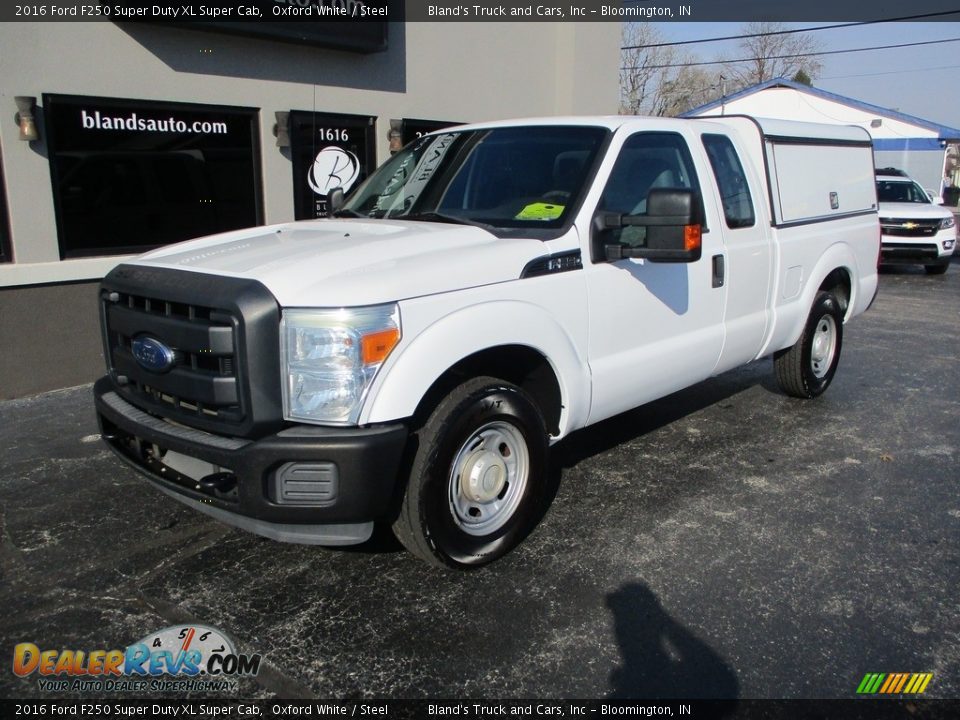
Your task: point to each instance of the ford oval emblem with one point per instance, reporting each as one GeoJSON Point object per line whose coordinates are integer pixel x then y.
{"type": "Point", "coordinates": [151, 354]}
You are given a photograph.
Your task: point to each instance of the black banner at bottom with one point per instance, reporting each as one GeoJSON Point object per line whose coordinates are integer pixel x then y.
{"type": "Point", "coordinates": [868, 709]}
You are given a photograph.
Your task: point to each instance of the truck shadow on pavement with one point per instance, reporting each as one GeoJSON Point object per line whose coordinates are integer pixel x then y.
{"type": "Point", "coordinates": [661, 658]}
{"type": "Point", "coordinates": [657, 414]}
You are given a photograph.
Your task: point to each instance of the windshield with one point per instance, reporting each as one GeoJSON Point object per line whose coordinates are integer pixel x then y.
{"type": "Point", "coordinates": [899, 191]}
{"type": "Point", "coordinates": [517, 178]}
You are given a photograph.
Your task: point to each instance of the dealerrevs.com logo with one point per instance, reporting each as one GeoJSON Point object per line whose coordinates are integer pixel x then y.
{"type": "Point", "coordinates": [178, 658]}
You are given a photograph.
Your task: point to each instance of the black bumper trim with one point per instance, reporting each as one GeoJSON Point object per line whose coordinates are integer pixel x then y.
{"type": "Point", "coordinates": [139, 417]}
{"type": "Point", "coordinates": [325, 534]}
{"type": "Point", "coordinates": [910, 253]}
{"type": "Point", "coordinates": [367, 459]}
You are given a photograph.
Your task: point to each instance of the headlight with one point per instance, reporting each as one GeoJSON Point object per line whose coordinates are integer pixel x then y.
{"type": "Point", "coordinates": [946, 223]}
{"type": "Point", "coordinates": [330, 358]}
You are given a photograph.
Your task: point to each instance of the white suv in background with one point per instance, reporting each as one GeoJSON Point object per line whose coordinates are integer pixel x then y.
{"type": "Point", "coordinates": [913, 229]}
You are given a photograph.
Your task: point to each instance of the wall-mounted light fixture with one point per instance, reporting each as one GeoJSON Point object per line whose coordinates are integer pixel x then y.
{"type": "Point", "coordinates": [395, 136]}
{"type": "Point", "coordinates": [26, 105]}
{"type": "Point", "coordinates": [281, 129]}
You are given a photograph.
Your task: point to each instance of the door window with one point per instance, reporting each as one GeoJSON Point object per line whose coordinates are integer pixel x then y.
{"type": "Point", "coordinates": [647, 161]}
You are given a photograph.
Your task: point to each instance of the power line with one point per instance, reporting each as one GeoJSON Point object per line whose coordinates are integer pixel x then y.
{"type": "Point", "coordinates": [889, 72]}
{"type": "Point", "coordinates": [792, 32]}
{"type": "Point", "coordinates": [792, 55]}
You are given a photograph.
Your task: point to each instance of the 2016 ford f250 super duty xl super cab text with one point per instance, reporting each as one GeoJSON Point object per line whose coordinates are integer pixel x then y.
{"type": "Point", "coordinates": [486, 292]}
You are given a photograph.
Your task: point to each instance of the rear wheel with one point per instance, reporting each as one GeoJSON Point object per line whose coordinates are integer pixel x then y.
{"type": "Point", "coordinates": [478, 477]}
{"type": "Point", "coordinates": [806, 369]}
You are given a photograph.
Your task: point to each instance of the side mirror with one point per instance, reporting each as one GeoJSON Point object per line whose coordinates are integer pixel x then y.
{"type": "Point", "coordinates": [673, 225]}
{"type": "Point", "coordinates": [334, 200]}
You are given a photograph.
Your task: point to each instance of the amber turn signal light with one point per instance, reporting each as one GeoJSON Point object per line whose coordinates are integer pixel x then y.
{"type": "Point", "coordinates": [375, 347]}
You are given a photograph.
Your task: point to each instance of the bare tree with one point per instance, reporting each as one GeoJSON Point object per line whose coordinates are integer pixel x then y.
{"type": "Point", "coordinates": [648, 88]}
{"type": "Point", "coordinates": [640, 79]}
{"type": "Point", "coordinates": [687, 88]}
{"type": "Point", "coordinates": [772, 56]}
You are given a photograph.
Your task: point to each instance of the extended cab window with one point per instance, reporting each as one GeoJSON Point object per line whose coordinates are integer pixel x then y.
{"type": "Point", "coordinates": [647, 161]}
{"type": "Point", "coordinates": [737, 203]}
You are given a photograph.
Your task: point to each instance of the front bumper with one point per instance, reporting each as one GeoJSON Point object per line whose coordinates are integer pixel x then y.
{"type": "Point", "coordinates": [895, 250]}
{"type": "Point", "coordinates": [305, 484]}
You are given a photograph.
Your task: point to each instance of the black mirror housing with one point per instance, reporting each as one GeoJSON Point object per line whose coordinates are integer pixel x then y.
{"type": "Point", "coordinates": [673, 221]}
{"type": "Point", "coordinates": [334, 200]}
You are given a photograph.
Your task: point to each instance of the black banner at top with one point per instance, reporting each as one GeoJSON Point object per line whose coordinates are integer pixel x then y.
{"type": "Point", "coordinates": [470, 709]}
{"type": "Point", "coordinates": [307, 18]}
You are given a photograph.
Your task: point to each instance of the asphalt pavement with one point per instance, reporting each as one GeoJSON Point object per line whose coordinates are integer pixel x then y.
{"type": "Point", "coordinates": [726, 541]}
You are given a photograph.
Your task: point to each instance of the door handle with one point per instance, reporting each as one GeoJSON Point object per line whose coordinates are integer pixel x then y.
{"type": "Point", "coordinates": [718, 271]}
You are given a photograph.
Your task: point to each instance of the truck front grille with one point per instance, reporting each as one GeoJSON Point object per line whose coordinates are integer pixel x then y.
{"type": "Point", "coordinates": [218, 340]}
{"type": "Point", "coordinates": [909, 228]}
{"type": "Point", "coordinates": [202, 380]}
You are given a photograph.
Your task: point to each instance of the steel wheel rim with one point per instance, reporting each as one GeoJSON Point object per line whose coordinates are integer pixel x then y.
{"type": "Point", "coordinates": [488, 478]}
{"type": "Point", "coordinates": [824, 346]}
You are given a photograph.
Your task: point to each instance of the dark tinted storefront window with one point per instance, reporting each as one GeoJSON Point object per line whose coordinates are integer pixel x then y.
{"type": "Point", "coordinates": [131, 175]}
{"type": "Point", "coordinates": [413, 129]}
{"type": "Point", "coordinates": [329, 151]}
{"type": "Point", "coordinates": [4, 220]}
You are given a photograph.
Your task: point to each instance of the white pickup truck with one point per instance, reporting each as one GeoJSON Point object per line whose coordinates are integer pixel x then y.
{"type": "Point", "coordinates": [485, 293]}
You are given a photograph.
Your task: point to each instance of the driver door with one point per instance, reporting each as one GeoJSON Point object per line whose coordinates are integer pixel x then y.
{"type": "Point", "coordinates": [655, 327]}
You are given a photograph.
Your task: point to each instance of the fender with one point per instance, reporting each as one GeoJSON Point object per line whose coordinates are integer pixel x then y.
{"type": "Point", "coordinates": [406, 377]}
{"type": "Point", "coordinates": [792, 316]}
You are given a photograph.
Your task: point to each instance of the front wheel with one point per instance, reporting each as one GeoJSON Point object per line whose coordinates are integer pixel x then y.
{"type": "Point", "coordinates": [806, 369]}
{"type": "Point", "coordinates": [938, 269]}
{"type": "Point", "coordinates": [478, 477]}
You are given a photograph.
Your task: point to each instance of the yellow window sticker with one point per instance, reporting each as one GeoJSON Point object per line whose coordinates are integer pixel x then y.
{"type": "Point", "coordinates": [540, 211]}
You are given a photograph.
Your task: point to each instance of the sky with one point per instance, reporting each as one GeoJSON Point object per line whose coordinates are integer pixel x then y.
{"type": "Point", "coordinates": [923, 81]}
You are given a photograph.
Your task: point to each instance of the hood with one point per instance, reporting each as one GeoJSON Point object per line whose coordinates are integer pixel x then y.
{"type": "Point", "coordinates": [340, 263]}
{"type": "Point", "coordinates": [913, 211]}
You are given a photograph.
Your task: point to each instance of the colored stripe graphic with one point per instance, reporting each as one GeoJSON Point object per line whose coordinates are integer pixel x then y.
{"type": "Point", "coordinates": [901, 683]}
{"type": "Point", "coordinates": [886, 685]}
{"type": "Point", "coordinates": [866, 685]}
{"type": "Point", "coordinates": [894, 683]}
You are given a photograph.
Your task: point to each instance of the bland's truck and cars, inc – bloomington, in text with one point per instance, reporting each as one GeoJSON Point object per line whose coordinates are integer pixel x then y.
{"type": "Point", "coordinates": [488, 291]}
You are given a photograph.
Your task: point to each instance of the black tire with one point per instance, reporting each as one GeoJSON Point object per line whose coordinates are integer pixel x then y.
{"type": "Point", "coordinates": [436, 520]}
{"type": "Point", "coordinates": [938, 269]}
{"type": "Point", "coordinates": [806, 369]}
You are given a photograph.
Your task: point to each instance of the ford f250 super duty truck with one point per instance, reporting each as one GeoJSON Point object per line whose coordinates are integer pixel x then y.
{"type": "Point", "coordinates": [486, 292]}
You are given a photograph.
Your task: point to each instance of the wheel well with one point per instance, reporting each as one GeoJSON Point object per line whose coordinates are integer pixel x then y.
{"type": "Point", "coordinates": [838, 283]}
{"type": "Point", "coordinates": [523, 366]}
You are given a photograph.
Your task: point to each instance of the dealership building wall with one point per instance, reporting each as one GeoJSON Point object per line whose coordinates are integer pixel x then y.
{"type": "Point", "coordinates": [451, 72]}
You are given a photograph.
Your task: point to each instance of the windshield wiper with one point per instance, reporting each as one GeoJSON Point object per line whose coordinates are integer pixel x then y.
{"type": "Point", "coordinates": [442, 217]}
{"type": "Point", "coordinates": [346, 212]}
